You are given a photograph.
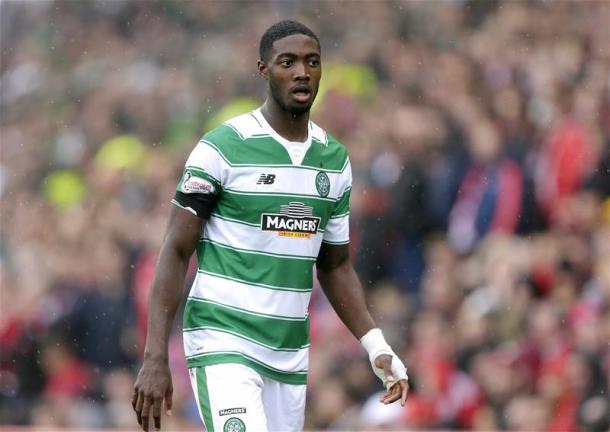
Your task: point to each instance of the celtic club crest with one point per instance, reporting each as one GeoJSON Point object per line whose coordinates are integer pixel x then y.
{"type": "Point", "coordinates": [322, 184]}
{"type": "Point", "coordinates": [234, 425]}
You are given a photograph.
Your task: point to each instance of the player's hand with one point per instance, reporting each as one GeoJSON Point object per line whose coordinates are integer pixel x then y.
{"type": "Point", "coordinates": [395, 389]}
{"type": "Point", "coordinates": [152, 387]}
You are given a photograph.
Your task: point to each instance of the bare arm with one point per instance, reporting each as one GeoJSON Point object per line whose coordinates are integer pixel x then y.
{"type": "Point", "coordinates": [344, 292]}
{"type": "Point", "coordinates": [154, 383]}
{"type": "Point", "coordinates": [183, 232]}
{"type": "Point", "coordinates": [343, 289]}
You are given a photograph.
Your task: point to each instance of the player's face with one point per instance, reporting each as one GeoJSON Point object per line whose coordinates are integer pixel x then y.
{"type": "Point", "coordinates": [293, 71]}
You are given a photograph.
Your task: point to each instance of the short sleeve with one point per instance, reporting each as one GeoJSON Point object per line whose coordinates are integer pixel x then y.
{"type": "Point", "coordinates": [337, 228]}
{"type": "Point", "coordinates": [202, 171]}
{"type": "Point", "coordinates": [201, 181]}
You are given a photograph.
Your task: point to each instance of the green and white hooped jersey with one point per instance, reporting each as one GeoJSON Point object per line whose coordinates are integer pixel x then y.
{"type": "Point", "coordinates": [249, 301]}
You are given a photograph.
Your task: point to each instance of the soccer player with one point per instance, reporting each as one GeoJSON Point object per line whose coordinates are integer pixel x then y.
{"type": "Point", "coordinates": [263, 198]}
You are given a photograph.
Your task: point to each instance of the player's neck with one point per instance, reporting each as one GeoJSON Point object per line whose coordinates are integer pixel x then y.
{"type": "Point", "coordinates": [284, 123]}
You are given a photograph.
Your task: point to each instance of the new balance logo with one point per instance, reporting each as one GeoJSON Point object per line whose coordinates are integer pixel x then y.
{"type": "Point", "coordinates": [266, 179]}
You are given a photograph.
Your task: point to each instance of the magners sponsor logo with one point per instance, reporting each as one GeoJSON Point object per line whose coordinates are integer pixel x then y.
{"type": "Point", "coordinates": [294, 220]}
{"type": "Point", "coordinates": [231, 411]}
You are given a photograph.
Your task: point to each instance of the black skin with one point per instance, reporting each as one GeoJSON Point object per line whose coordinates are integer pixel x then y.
{"type": "Point", "coordinates": [294, 60]}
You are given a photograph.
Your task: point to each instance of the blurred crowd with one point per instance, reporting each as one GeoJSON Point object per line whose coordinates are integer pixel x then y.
{"type": "Point", "coordinates": [479, 135]}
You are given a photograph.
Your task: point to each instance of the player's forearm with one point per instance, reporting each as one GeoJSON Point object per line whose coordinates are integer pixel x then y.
{"type": "Point", "coordinates": [165, 295]}
{"type": "Point", "coordinates": [345, 294]}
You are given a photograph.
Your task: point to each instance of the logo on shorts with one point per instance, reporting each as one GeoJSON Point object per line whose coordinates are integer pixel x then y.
{"type": "Point", "coordinates": [234, 425]}
{"type": "Point", "coordinates": [229, 411]}
{"type": "Point", "coordinates": [322, 184]}
{"type": "Point", "coordinates": [295, 219]}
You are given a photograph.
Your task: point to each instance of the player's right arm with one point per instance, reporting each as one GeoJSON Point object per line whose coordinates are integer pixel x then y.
{"type": "Point", "coordinates": [154, 382]}
{"type": "Point", "coordinates": [195, 198]}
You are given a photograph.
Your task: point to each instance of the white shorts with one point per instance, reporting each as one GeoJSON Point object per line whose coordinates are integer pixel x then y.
{"type": "Point", "coordinates": [234, 398]}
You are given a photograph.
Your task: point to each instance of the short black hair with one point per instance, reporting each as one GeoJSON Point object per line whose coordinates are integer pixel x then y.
{"type": "Point", "coordinates": [279, 31]}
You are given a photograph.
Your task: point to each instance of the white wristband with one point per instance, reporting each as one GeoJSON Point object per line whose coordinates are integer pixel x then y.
{"type": "Point", "coordinates": [375, 345]}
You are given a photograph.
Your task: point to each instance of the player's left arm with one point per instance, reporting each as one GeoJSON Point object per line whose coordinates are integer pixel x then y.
{"type": "Point", "coordinates": [344, 292]}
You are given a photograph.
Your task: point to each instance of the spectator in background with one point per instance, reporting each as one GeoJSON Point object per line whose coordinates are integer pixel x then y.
{"type": "Point", "coordinates": [565, 159]}
{"type": "Point", "coordinates": [490, 196]}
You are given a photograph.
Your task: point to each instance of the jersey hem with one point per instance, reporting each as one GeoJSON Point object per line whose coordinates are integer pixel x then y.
{"type": "Point", "coordinates": [336, 243]}
{"type": "Point", "coordinates": [281, 376]}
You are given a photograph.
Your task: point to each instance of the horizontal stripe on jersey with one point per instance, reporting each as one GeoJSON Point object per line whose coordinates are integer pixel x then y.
{"type": "Point", "coordinates": [209, 340]}
{"type": "Point", "coordinates": [270, 331]}
{"type": "Point", "coordinates": [297, 378]}
{"type": "Point", "coordinates": [273, 271]}
{"type": "Point", "coordinates": [269, 300]}
{"type": "Point", "coordinates": [261, 149]}
{"type": "Point", "coordinates": [289, 180]}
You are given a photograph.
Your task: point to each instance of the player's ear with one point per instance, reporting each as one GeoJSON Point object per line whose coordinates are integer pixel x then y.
{"type": "Point", "coordinates": [262, 69]}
